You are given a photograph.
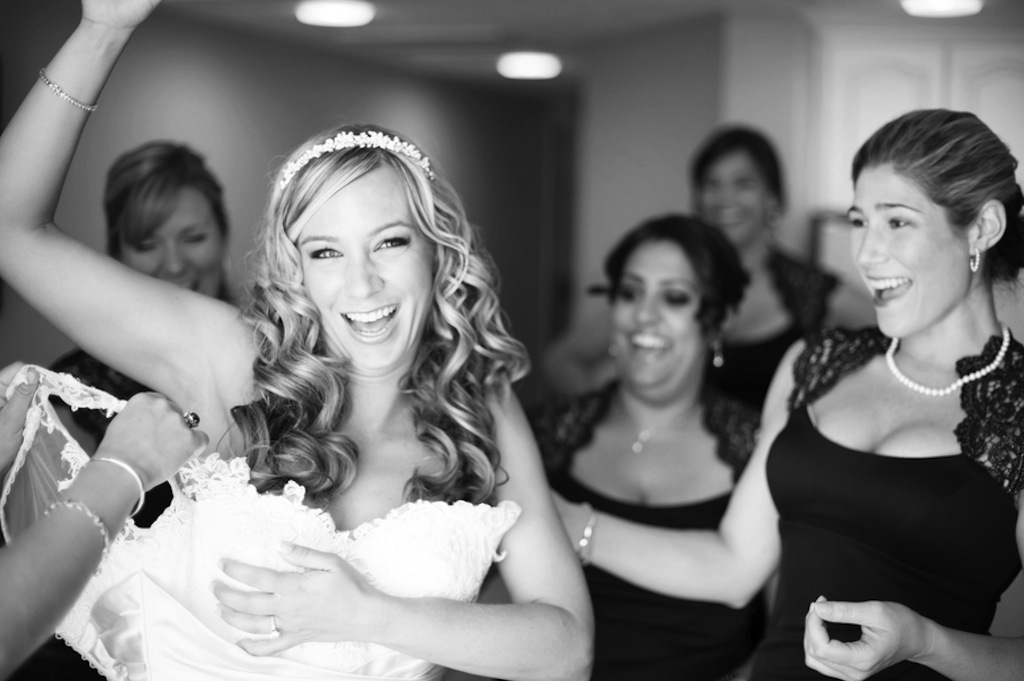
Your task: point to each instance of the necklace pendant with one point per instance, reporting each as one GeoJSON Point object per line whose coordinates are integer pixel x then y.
{"type": "Point", "coordinates": [641, 440]}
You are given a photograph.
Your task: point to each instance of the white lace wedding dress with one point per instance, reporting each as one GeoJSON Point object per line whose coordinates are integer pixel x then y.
{"type": "Point", "coordinates": [149, 612]}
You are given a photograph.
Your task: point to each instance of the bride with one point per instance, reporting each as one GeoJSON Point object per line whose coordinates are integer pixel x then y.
{"type": "Point", "coordinates": [360, 406]}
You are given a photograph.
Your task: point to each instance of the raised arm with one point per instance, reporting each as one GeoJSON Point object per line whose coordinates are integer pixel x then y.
{"type": "Point", "coordinates": [729, 565]}
{"type": "Point", "coordinates": [163, 336]}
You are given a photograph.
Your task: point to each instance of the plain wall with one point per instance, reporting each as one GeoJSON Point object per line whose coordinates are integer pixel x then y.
{"type": "Point", "coordinates": [766, 80]}
{"type": "Point", "coordinates": [646, 101]}
{"type": "Point", "coordinates": [245, 101]}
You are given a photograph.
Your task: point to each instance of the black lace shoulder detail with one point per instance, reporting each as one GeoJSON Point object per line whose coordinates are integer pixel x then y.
{"type": "Point", "coordinates": [992, 433]}
{"type": "Point", "coordinates": [565, 425]}
{"type": "Point", "coordinates": [734, 424]}
{"type": "Point", "coordinates": [804, 290]}
{"type": "Point", "coordinates": [830, 355]}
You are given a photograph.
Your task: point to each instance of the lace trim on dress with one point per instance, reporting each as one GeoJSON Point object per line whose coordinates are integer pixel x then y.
{"type": "Point", "coordinates": [148, 611]}
{"type": "Point", "coordinates": [992, 431]}
{"type": "Point", "coordinates": [215, 478]}
{"type": "Point", "coordinates": [24, 501]}
{"type": "Point", "coordinates": [565, 425]}
{"type": "Point", "coordinates": [92, 372]}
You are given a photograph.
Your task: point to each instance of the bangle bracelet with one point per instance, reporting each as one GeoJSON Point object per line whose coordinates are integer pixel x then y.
{"type": "Point", "coordinates": [59, 91]}
{"type": "Point", "coordinates": [585, 546]}
{"type": "Point", "coordinates": [89, 513]}
{"type": "Point", "coordinates": [135, 476]}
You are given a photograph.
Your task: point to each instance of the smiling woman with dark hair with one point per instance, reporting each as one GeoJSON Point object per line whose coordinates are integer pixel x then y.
{"type": "Point", "coordinates": [660, 446]}
{"type": "Point", "coordinates": [737, 187]}
{"type": "Point", "coordinates": [886, 485]}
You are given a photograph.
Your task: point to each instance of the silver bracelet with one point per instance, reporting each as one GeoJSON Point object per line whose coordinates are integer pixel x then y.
{"type": "Point", "coordinates": [89, 513]}
{"type": "Point", "coordinates": [59, 91]}
{"type": "Point", "coordinates": [135, 477]}
{"type": "Point", "coordinates": [585, 545]}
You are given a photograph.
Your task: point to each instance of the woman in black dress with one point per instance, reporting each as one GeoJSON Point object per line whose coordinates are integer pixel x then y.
{"type": "Point", "coordinates": [885, 485]}
{"type": "Point", "coordinates": [659, 447]}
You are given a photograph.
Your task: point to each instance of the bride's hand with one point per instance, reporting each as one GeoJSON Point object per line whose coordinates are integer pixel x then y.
{"type": "Point", "coordinates": [117, 14]}
{"type": "Point", "coordinates": [328, 601]}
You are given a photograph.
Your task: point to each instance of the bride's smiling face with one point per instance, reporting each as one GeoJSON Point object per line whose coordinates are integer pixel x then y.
{"type": "Point", "coordinates": [368, 270]}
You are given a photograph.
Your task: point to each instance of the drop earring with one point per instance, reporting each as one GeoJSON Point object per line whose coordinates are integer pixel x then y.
{"type": "Point", "coordinates": [717, 358]}
{"type": "Point", "coordinates": [975, 260]}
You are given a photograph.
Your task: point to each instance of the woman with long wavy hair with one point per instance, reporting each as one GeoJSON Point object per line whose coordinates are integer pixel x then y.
{"type": "Point", "coordinates": [361, 408]}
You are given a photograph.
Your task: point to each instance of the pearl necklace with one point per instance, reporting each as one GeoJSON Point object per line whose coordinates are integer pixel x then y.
{"type": "Point", "coordinates": [955, 385]}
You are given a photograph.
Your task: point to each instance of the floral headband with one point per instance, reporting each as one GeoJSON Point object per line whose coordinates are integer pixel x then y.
{"type": "Point", "coordinates": [348, 140]}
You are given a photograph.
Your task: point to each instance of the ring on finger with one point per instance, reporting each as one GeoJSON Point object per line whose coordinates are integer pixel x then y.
{"type": "Point", "coordinates": [274, 631]}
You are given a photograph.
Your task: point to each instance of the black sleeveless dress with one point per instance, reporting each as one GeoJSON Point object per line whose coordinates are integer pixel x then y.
{"type": "Point", "coordinates": [935, 534]}
{"type": "Point", "coordinates": [640, 634]}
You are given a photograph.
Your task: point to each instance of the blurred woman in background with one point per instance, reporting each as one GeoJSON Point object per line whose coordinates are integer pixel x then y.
{"type": "Point", "coordinates": [165, 217]}
{"type": "Point", "coordinates": [738, 187]}
{"type": "Point", "coordinates": [660, 446]}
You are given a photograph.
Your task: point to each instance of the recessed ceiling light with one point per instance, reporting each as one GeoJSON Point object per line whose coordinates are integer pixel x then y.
{"type": "Point", "coordinates": [529, 65]}
{"type": "Point", "coordinates": [942, 8]}
{"type": "Point", "coordinates": [343, 13]}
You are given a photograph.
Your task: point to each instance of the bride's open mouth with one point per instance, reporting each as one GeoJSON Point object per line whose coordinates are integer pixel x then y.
{"type": "Point", "coordinates": [372, 323]}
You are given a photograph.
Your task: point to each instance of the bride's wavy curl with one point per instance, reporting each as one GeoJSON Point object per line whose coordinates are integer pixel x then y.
{"type": "Point", "coordinates": [292, 430]}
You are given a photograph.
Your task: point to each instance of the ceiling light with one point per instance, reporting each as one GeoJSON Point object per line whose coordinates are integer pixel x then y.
{"type": "Point", "coordinates": [529, 65]}
{"type": "Point", "coordinates": [345, 13]}
{"type": "Point", "coordinates": [942, 8]}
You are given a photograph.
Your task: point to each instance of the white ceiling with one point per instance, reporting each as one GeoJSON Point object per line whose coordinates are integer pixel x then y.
{"type": "Point", "coordinates": [462, 38]}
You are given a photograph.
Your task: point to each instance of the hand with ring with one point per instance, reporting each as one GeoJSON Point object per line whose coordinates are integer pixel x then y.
{"type": "Point", "coordinates": [328, 600]}
{"type": "Point", "coordinates": [150, 437]}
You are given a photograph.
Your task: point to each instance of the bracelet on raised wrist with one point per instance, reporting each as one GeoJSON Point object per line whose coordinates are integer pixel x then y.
{"type": "Point", "coordinates": [60, 92]}
{"type": "Point", "coordinates": [135, 476]}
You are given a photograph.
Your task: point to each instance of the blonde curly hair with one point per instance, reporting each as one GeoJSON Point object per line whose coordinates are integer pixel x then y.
{"type": "Point", "coordinates": [293, 429]}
